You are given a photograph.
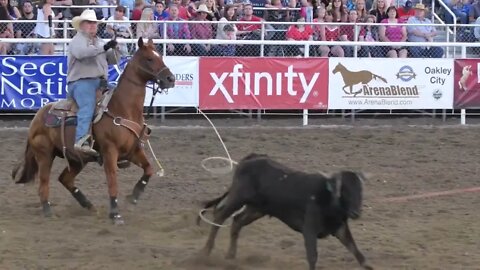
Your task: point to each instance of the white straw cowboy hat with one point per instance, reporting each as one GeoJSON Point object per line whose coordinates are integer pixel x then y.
{"type": "Point", "coordinates": [203, 8]}
{"type": "Point", "coordinates": [420, 6]}
{"type": "Point", "coordinates": [87, 15]}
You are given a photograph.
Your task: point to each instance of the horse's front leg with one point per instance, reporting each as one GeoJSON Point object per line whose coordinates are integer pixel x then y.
{"type": "Point", "coordinates": [343, 88]}
{"type": "Point", "coordinates": [140, 159]}
{"type": "Point", "coordinates": [110, 157]}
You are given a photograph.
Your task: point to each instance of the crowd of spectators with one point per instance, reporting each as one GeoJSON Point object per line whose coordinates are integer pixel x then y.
{"type": "Point", "coordinates": [169, 20]}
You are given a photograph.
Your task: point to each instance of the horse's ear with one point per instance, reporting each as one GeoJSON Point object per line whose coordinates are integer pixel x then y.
{"type": "Point", "coordinates": [140, 42]}
{"type": "Point", "coordinates": [150, 42]}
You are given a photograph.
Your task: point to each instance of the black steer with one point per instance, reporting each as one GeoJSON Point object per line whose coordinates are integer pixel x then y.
{"type": "Point", "coordinates": [313, 204]}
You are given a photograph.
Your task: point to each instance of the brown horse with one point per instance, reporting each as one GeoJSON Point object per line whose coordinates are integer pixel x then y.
{"type": "Point", "coordinates": [351, 78]}
{"type": "Point", "coordinates": [118, 134]}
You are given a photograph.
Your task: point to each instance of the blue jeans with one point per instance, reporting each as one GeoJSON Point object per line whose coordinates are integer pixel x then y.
{"type": "Point", "coordinates": [432, 52]}
{"type": "Point", "coordinates": [84, 93]}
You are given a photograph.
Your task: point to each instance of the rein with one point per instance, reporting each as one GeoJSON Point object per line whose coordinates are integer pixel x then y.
{"type": "Point", "coordinates": [155, 87]}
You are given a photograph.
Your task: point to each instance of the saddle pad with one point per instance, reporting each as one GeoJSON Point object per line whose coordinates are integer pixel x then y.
{"type": "Point", "coordinates": [53, 121]}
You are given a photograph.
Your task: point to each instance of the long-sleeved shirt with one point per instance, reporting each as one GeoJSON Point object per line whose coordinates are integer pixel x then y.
{"type": "Point", "coordinates": [87, 58]}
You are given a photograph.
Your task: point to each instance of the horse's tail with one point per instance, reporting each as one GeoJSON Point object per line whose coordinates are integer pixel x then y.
{"type": "Point", "coordinates": [28, 166]}
{"type": "Point", "coordinates": [379, 77]}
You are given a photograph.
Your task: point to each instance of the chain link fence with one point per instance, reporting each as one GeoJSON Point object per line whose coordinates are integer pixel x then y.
{"type": "Point", "coordinates": [277, 28]}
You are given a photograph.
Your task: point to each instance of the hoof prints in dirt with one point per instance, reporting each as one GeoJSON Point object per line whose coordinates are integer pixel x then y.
{"type": "Point", "coordinates": [161, 233]}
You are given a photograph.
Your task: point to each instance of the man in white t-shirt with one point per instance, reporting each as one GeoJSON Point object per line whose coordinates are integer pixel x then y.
{"type": "Point", "coordinates": [122, 29]}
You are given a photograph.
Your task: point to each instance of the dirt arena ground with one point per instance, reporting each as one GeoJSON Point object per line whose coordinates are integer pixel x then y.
{"type": "Point", "coordinates": [426, 234]}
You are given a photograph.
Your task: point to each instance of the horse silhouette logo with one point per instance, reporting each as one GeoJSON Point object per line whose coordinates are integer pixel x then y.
{"type": "Point", "coordinates": [466, 72]}
{"type": "Point", "coordinates": [351, 78]}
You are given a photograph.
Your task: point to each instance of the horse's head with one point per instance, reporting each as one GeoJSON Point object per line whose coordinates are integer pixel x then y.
{"type": "Point", "coordinates": [349, 188]}
{"type": "Point", "coordinates": [337, 68]}
{"type": "Point", "coordinates": [151, 66]}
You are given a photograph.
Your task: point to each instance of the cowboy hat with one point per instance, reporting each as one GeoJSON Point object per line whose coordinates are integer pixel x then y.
{"type": "Point", "coordinates": [87, 15]}
{"type": "Point", "coordinates": [203, 8]}
{"type": "Point", "coordinates": [420, 6]}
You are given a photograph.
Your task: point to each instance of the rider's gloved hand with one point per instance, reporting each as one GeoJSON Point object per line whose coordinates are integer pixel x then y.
{"type": "Point", "coordinates": [110, 45]}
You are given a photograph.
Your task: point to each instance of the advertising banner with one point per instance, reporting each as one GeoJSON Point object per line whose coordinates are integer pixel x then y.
{"type": "Point", "coordinates": [385, 83]}
{"type": "Point", "coordinates": [185, 93]}
{"type": "Point", "coordinates": [263, 83]}
{"type": "Point", "coordinates": [30, 82]}
{"type": "Point", "coordinates": [467, 84]}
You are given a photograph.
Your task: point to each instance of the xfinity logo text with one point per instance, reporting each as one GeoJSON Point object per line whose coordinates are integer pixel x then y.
{"type": "Point", "coordinates": [252, 81]}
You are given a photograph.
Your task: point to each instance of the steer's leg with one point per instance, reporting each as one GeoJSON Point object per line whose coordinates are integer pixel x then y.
{"type": "Point", "coordinates": [311, 226]}
{"type": "Point", "coordinates": [232, 204]}
{"type": "Point", "coordinates": [246, 217]}
{"type": "Point", "coordinates": [346, 238]}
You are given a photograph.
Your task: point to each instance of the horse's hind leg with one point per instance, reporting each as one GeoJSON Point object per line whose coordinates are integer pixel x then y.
{"type": "Point", "coordinates": [140, 159]}
{"type": "Point", "coordinates": [67, 178]}
{"type": "Point", "coordinates": [45, 161]}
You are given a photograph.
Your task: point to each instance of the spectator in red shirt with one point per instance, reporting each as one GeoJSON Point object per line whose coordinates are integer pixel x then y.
{"type": "Point", "coordinates": [298, 32]}
{"type": "Point", "coordinates": [347, 33]}
{"type": "Point", "coordinates": [406, 11]}
{"type": "Point", "coordinates": [183, 12]}
{"type": "Point", "coordinates": [137, 11]}
{"type": "Point", "coordinates": [249, 32]}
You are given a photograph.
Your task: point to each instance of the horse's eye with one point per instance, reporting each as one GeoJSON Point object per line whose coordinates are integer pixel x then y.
{"type": "Point", "coordinates": [150, 60]}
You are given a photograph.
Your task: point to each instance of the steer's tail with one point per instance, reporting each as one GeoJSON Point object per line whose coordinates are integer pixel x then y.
{"type": "Point", "coordinates": [379, 77]}
{"type": "Point", "coordinates": [212, 203]}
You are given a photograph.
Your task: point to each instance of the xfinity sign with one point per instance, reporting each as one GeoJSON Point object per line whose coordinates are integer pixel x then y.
{"type": "Point", "coordinates": [249, 84]}
{"type": "Point", "coordinates": [272, 82]}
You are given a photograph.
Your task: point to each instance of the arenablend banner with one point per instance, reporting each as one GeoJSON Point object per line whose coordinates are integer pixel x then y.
{"type": "Point", "coordinates": [366, 83]}
{"type": "Point", "coordinates": [185, 92]}
{"type": "Point", "coordinates": [263, 83]}
{"type": "Point", "coordinates": [467, 83]}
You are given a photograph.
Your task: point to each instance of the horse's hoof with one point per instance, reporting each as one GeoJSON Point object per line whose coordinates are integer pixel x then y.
{"type": "Point", "coordinates": [131, 199]}
{"type": "Point", "coordinates": [47, 210]}
{"type": "Point", "coordinates": [117, 219]}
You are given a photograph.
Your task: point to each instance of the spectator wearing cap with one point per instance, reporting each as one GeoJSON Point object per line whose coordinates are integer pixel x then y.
{"type": "Point", "coordinates": [202, 29]}
{"type": "Point", "coordinates": [417, 33]}
{"type": "Point", "coordinates": [406, 11]}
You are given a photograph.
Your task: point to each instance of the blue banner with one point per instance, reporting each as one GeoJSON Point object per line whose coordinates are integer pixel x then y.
{"type": "Point", "coordinates": [30, 82]}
